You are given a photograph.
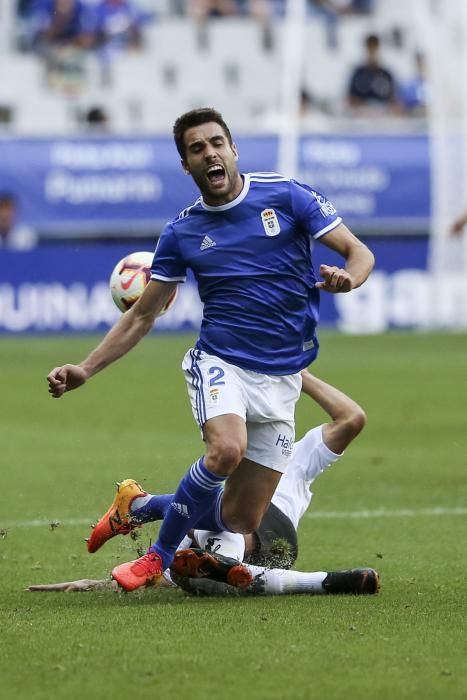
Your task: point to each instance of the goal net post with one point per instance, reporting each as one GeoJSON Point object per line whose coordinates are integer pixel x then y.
{"type": "Point", "coordinates": [446, 34]}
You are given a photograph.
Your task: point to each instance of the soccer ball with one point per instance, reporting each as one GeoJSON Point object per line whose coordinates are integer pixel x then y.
{"type": "Point", "coordinates": [129, 278]}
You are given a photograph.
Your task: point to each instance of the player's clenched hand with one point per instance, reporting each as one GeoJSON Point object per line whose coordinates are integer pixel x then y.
{"type": "Point", "coordinates": [335, 279]}
{"type": "Point", "coordinates": [65, 378]}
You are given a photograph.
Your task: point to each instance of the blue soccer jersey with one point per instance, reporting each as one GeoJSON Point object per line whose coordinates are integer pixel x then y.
{"type": "Point", "coordinates": [252, 261]}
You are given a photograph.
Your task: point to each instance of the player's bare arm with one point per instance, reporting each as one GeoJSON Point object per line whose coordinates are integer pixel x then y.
{"type": "Point", "coordinates": [347, 418]}
{"type": "Point", "coordinates": [125, 334]}
{"type": "Point", "coordinates": [84, 584]}
{"type": "Point", "coordinates": [359, 262]}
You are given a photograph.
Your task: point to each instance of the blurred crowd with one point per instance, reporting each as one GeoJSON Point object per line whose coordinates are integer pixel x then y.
{"type": "Point", "coordinates": [374, 89]}
{"type": "Point", "coordinates": [61, 31]}
{"type": "Point", "coordinates": [111, 25]}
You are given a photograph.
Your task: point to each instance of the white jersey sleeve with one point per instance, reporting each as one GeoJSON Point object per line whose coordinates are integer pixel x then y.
{"type": "Point", "coordinates": [310, 457]}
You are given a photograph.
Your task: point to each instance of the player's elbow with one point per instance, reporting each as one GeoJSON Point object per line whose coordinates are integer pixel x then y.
{"type": "Point", "coordinates": [143, 318]}
{"type": "Point", "coordinates": [354, 421]}
{"type": "Point", "coordinates": [344, 429]}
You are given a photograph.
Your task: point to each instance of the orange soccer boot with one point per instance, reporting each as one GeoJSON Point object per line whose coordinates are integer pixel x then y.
{"type": "Point", "coordinates": [117, 520]}
{"type": "Point", "coordinates": [145, 571]}
{"type": "Point", "coordinates": [197, 563]}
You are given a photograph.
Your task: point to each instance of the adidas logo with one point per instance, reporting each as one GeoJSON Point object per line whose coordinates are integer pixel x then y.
{"type": "Point", "coordinates": [207, 243]}
{"type": "Point", "coordinates": [181, 509]}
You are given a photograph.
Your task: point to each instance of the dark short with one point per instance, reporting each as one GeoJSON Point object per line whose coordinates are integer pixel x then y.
{"type": "Point", "coordinates": [276, 541]}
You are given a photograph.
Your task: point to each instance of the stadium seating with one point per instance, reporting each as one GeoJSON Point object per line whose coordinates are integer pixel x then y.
{"type": "Point", "coordinates": [224, 64]}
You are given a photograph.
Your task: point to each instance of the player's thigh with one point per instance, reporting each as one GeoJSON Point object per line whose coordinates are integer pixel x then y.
{"type": "Point", "coordinates": [247, 494]}
{"type": "Point", "coordinates": [213, 387]}
{"type": "Point", "coordinates": [271, 398]}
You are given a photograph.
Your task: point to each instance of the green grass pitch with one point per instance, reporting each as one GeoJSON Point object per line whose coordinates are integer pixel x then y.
{"type": "Point", "coordinates": [60, 460]}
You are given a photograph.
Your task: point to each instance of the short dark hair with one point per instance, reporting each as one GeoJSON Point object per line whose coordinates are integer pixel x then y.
{"type": "Point", "coordinates": [196, 117]}
{"type": "Point", "coordinates": [372, 41]}
{"type": "Point", "coordinates": [96, 115]}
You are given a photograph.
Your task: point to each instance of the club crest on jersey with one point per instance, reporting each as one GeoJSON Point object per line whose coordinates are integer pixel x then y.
{"type": "Point", "coordinates": [270, 222]}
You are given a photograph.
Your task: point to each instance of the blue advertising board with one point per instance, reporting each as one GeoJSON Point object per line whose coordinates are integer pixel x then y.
{"type": "Point", "coordinates": [65, 289]}
{"type": "Point", "coordinates": [111, 186]}
{"type": "Point", "coordinates": [375, 182]}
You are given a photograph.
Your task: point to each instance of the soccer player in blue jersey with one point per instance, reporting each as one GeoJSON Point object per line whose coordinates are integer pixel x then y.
{"type": "Point", "coordinates": [247, 240]}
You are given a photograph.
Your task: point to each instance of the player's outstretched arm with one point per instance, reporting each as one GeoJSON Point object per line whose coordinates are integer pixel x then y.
{"type": "Point", "coordinates": [359, 262]}
{"type": "Point", "coordinates": [347, 418]}
{"type": "Point", "coordinates": [83, 584]}
{"type": "Point", "coordinates": [125, 334]}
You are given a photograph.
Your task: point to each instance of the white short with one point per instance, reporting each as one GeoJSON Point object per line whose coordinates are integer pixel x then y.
{"type": "Point", "coordinates": [265, 402]}
{"type": "Point", "coordinates": [310, 457]}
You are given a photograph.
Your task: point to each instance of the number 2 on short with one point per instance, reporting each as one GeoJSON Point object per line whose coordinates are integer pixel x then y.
{"type": "Point", "coordinates": [218, 373]}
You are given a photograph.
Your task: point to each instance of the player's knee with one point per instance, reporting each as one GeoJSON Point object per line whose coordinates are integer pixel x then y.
{"type": "Point", "coordinates": [224, 457]}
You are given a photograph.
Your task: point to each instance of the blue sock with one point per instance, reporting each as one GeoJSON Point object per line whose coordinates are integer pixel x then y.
{"type": "Point", "coordinates": [212, 519]}
{"type": "Point", "coordinates": [196, 496]}
{"type": "Point", "coordinates": [155, 509]}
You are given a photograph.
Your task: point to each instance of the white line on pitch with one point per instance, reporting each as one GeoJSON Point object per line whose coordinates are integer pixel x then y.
{"type": "Point", "coordinates": [330, 515]}
{"type": "Point", "coordinates": [382, 513]}
{"type": "Point", "coordinates": [46, 523]}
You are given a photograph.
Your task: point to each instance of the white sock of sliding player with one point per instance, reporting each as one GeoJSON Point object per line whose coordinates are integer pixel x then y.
{"type": "Point", "coordinates": [281, 581]}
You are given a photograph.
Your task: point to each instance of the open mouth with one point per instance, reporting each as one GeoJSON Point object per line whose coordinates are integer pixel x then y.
{"type": "Point", "coordinates": [216, 174]}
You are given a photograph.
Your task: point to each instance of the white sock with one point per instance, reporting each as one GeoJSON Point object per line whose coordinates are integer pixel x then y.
{"type": "Point", "coordinates": [280, 581]}
{"type": "Point", "coordinates": [229, 544]}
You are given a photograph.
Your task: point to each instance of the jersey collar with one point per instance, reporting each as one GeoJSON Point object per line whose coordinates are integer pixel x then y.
{"type": "Point", "coordinates": [239, 198]}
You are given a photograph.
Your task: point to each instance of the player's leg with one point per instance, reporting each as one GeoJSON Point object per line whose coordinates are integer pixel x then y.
{"type": "Point", "coordinates": [247, 494]}
{"type": "Point", "coordinates": [218, 404]}
{"type": "Point", "coordinates": [198, 494]}
{"type": "Point", "coordinates": [267, 581]}
{"type": "Point", "coordinates": [284, 581]}
{"type": "Point", "coordinates": [250, 487]}
{"type": "Point", "coordinates": [270, 421]}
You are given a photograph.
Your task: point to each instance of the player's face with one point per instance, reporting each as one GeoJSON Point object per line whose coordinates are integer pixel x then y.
{"type": "Point", "coordinates": [212, 162]}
